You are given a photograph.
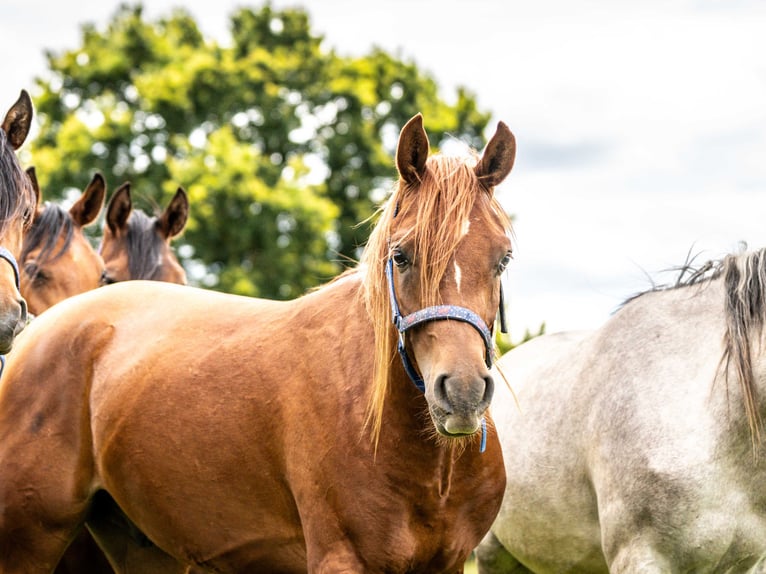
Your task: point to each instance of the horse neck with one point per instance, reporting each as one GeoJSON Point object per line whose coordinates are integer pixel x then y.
{"type": "Point", "coordinates": [407, 432]}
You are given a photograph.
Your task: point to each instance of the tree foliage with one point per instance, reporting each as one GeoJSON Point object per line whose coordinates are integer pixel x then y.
{"type": "Point", "coordinates": [283, 145]}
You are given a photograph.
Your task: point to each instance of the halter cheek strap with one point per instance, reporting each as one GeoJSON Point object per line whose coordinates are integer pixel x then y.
{"type": "Point", "coordinates": [437, 313]}
{"type": "Point", "coordinates": [8, 256]}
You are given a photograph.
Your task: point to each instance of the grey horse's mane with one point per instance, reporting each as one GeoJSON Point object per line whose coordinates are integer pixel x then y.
{"type": "Point", "coordinates": [687, 274]}
{"type": "Point", "coordinates": [744, 277]}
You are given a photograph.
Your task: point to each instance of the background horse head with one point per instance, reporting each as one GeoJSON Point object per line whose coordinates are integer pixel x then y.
{"type": "Point", "coordinates": [137, 246]}
{"type": "Point", "coordinates": [57, 259]}
{"type": "Point", "coordinates": [265, 404]}
{"type": "Point", "coordinates": [17, 203]}
{"type": "Point", "coordinates": [639, 446]}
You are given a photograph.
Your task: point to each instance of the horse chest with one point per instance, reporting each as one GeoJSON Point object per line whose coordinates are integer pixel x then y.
{"type": "Point", "coordinates": [393, 516]}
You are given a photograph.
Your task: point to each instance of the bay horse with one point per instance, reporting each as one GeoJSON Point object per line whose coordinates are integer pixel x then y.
{"type": "Point", "coordinates": [136, 245]}
{"type": "Point", "coordinates": [57, 259]}
{"type": "Point", "coordinates": [190, 427]}
{"type": "Point", "coordinates": [17, 204]}
{"type": "Point", "coordinates": [638, 447]}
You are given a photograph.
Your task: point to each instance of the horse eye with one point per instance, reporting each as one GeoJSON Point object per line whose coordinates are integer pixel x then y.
{"type": "Point", "coordinates": [36, 275]}
{"type": "Point", "coordinates": [504, 262]}
{"type": "Point", "coordinates": [400, 259]}
{"type": "Point", "coordinates": [105, 279]}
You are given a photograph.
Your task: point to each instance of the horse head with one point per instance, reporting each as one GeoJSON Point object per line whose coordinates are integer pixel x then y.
{"type": "Point", "coordinates": [137, 246]}
{"type": "Point", "coordinates": [57, 260]}
{"type": "Point", "coordinates": [16, 210]}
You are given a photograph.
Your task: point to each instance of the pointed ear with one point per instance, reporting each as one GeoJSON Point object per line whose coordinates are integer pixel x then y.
{"type": "Point", "coordinates": [32, 175]}
{"type": "Point", "coordinates": [173, 219]}
{"type": "Point", "coordinates": [18, 120]}
{"type": "Point", "coordinates": [119, 208]}
{"type": "Point", "coordinates": [412, 150]}
{"type": "Point", "coordinates": [87, 208]}
{"type": "Point", "coordinates": [496, 162]}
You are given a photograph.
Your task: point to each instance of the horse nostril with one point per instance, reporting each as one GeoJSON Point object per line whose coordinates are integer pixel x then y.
{"type": "Point", "coordinates": [23, 317]}
{"type": "Point", "coordinates": [454, 394]}
{"type": "Point", "coordinates": [489, 391]}
{"type": "Point", "coordinates": [440, 393]}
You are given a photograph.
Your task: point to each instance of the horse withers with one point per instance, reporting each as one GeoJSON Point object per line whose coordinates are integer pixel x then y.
{"type": "Point", "coordinates": [190, 427]}
{"type": "Point", "coordinates": [57, 259]}
{"type": "Point", "coordinates": [638, 447]}
{"type": "Point", "coordinates": [17, 203]}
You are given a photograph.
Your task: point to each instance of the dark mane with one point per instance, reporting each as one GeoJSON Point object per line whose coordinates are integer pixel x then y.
{"type": "Point", "coordinates": [144, 246]}
{"type": "Point", "coordinates": [16, 195]}
{"type": "Point", "coordinates": [686, 275]}
{"type": "Point", "coordinates": [52, 223]}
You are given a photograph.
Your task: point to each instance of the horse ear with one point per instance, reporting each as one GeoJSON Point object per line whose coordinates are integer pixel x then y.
{"type": "Point", "coordinates": [412, 150]}
{"type": "Point", "coordinates": [497, 160]}
{"type": "Point", "coordinates": [119, 208]}
{"type": "Point", "coordinates": [87, 208]}
{"type": "Point", "coordinates": [32, 175]}
{"type": "Point", "coordinates": [18, 120]}
{"type": "Point", "coordinates": [173, 219]}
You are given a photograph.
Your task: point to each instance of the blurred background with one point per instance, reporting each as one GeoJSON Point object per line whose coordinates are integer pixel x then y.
{"type": "Point", "coordinates": [641, 128]}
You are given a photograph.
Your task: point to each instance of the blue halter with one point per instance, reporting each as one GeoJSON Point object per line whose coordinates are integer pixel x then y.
{"type": "Point", "coordinates": [8, 256]}
{"type": "Point", "coordinates": [438, 313]}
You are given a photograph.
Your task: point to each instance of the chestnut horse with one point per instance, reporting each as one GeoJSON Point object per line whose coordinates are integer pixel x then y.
{"type": "Point", "coordinates": [17, 203]}
{"type": "Point", "coordinates": [136, 245]}
{"type": "Point", "coordinates": [57, 259]}
{"type": "Point", "coordinates": [186, 426]}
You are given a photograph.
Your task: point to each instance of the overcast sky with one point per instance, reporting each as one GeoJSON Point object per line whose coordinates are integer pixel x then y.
{"type": "Point", "coordinates": [641, 126]}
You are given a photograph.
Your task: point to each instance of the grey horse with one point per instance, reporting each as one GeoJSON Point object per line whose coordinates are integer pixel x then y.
{"type": "Point", "coordinates": [638, 447]}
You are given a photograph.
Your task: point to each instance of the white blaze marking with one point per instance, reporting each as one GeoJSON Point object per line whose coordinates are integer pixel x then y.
{"type": "Point", "coordinates": [458, 271]}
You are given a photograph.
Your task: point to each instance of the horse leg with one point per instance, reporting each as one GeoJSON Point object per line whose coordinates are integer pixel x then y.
{"type": "Point", "coordinates": [128, 550]}
{"type": "Point", "coordinates": [31, 541]}
{"type": "Point", "coordinates": [44, 496]}
{"type": "Point", "coordinates": [84, 555]}
{"type": "Point", "coordinates": [759, 567]}
{"type": "Point", "coordinates": [493, 558]}
{"type": "Point", "coordinates": [637, 556]}
{"type": "Point", "coordinates": [339, 558]}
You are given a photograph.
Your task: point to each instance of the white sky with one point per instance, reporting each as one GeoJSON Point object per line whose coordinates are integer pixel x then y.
{"type": "Point", "coordinates": [641, 126]}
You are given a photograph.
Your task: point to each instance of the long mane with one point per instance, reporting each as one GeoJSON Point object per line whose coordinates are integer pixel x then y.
{"type": "Point", "coordinates": [744, 277]}
{"type": "Point", "coordinates": [442, 200]}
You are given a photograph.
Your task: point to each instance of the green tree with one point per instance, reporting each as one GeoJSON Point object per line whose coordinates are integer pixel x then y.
{"type": "Point", "coordinates": [284, 146]}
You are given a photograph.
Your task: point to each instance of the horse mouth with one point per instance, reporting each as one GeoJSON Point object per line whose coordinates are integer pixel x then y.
{"type": "Point", "coordinates": [451, 425]}
{"type": "Point", "coordinates": [6, 344]}
{"type": "Point", "coordinates": [8, 336]}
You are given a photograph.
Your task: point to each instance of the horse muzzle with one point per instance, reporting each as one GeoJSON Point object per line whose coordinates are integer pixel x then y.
{"type": "Point", "coordinates": [12, 322]}
{"type": "Point", "coordinates": [458, 404]}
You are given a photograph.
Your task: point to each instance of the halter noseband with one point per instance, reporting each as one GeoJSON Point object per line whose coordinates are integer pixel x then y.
{"type": "Point", "coordinates": [8, 256]}
{"type": "Point", "coordinates": [438, 313]}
